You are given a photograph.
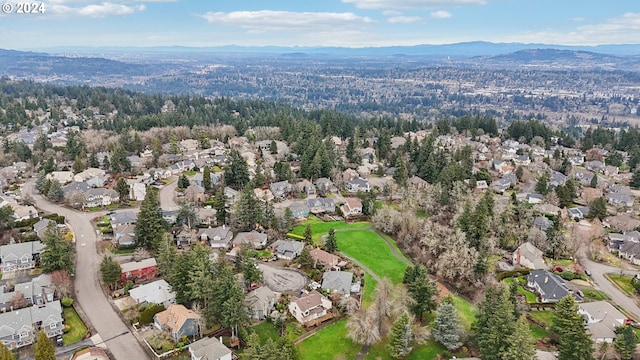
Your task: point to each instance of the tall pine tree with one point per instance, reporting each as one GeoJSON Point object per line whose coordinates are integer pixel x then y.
{"type": "Point", "coordinates": [44, 349]}
{"type": "Point", "coordinates": [400, 338]}
{"type": "Point", "coordinates": [574, 343]}
{"type": "Point", "coordinates": [446, 326]}
{"type": "Point", "coordinates": [150, 225]}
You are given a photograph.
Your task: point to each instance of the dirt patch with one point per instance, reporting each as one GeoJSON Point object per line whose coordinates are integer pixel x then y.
{"type": "Point", "coordinates": [442, 290]}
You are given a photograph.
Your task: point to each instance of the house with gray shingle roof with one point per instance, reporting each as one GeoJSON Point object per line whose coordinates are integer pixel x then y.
{"type": "Point", "coordinates": [529, 256]}
{"type": "Point", "coordinates": [602, 320]}
{"type": "Point", "coordinates": [209, 348]}
{"type": "Point", "coordinates": [261, 302]}
{"type": "Point", "coordinates": [337, 281]}
{"type": "Point", "coordinates": [287, 249]}
{"type": "Point", "coordinates": [18, 328]}
{"type": "Point", "coordinates": [20, 256]}
{"type": "Point", "coordinates": [218, 237]}
{"type": "Point", "coordinates": [549, 286]}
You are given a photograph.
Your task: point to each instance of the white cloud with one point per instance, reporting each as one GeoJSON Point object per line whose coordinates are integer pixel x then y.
{"type": "Point", "coordinates": [95, 10]}
{"type": "Point", "coordinates": [403, 19]}
{"type": "Point", "coordinates": [578, 19]}
{"type": "Point", "coordinates": [617, 30]}
{"type": "Point", "coordinates": [286, 20]}
{"type": "Point", "coordinates": [441, 14]}
{"type": "Point", "coordinates": [411, 4]}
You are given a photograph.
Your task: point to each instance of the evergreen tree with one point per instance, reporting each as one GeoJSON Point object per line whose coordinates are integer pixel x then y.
{"type": "Point", "coordinates": [122, 188]}
{"type": "Point", "coordinates": [93, 160]}
{"type": "Point", "coordinates": [625, 342]}
{"type": "Point", "coordinates": [183, 181]}
{"type": "Point", "coordinates": [110, 271]}
{"type": "Point", "coordinates": [331, 245]}
{"type": "Point", "coordinates": [287, 220]}
{"type": "Point", "coordinates": [44, 350]}
{"type": "Point", "coordinates": [165, 255]}
{"type": "Point", "coordinates": [594, 181]}
{"type": "Point", "coordinates": [219, 204]}
{"type": "Point", "coordinates": [283, 172]}
{"type": "Point", "coordinates": [542, 185]}
{"type": "Point", "coordinates": [446, 326]}
{"type": "Point", "coordinates": [187, 215]}
{"type": "Point", "coordinates": [5, 353]}
{"type": "Point", "coordinates": [305, 260]}
{"type": "Point", "coordinates": [635, 179]}
{"type": "Point", "coordinates": [273, 147]}
{"type": "Point", "coordinates": [423, 292]}
{"type": "Point", "coordinates": [521, 343]}
{"type": "Point", "coordinates": [401, 338]}
{"type": "Point", "coordinates": [150, 225]}
{"type": "Point", "coordinates": [247, 212]}
{"type": "Point", "coordinates": [58, 253]}
{"type": "Point", "coordinates": [78, 165]}
{"type": "Point", "coordinates": [401, 174]}
{"type": "Point", "coordinates": [308, 235]}
{"type": "Point", "coordinates": [253, 350]}
{"type": "Point", "coordinates": [41, 180]}
{"type": "Point", "coordinates": [597, 209]}
{"type": "Point", "coordinates": [236, 174]}
{"type": "Point", "coordinates": [574, 343]}
{"type": "Point", "coordinates": [206, 178]}
{"type": "Point", "coordinates": [55, 192]}
{"type": "Point", "coordinates": [494, 323]}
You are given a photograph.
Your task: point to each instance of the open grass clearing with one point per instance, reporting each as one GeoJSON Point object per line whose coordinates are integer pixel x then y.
{"type": "Point", "coordinates": [368, 248]}
{"type": "Point", "coordinates": [623, 282]}
{"type": "Point", "coordinates": [531, 297]}
{"type": "Point", "coordinates": [538, 332]}
{"type": "Point", "coordinates": [319, 227]}
{"type": "Point", "coordinates": [77, 328]}
{"type": "Point", "coordinates": [329, 343]}
{"type": "Point", "coordinates": [420, 352]}
{"type": "Point", "coordinates": [266, 330]}
{"type": "Point", "coordinates": [595, 295]}
{"type": "Point", "coordinates": [466, 311]}
{"type": "Point", "coordinates": [369, 287]}
{"type": "Point", "coordinates": [543, 316]}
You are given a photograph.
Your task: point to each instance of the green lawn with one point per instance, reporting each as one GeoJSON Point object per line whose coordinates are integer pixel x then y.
{"type": "Point", "coordinates": [190, 173]}
{"type": "Point", "coordinates": [423, 352]}
{"type": "Point", "coordinates": [368, 248]}
{"type": "Point", "coordinates": [329, 343]}
{"type": "Point", "coordinates": [466, 311]}
{"type": "Point", "coordinates": [319, 227]}
{"type": "Point", "coordinates": [538, 332]}
{"type": "Point", "coordinates": [266, 330]}
{"type": "Point", "coordinates": [77, 329]}
{"type": "Point", "coordinates": [531, 297]}
{"type": "Point", "coordinates": [543, 316]}
{"type": "Point", "coordinates": [596, 295]}
{"type": "Point", "coordinates": [369, 287]}
{"type": "Point", "coordinates": [623, 282]}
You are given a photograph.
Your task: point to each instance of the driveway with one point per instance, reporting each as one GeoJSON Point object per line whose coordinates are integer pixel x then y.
{"type": "Point", "coordinates": [282, 280]}
{"type": "Point", "coordinates": [122, 344]}
{"type": "Point", "coordinates": [597, 275]}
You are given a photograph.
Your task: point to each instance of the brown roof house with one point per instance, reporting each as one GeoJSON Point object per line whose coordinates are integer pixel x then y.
{"type": "Point", "coordinates": [322, 257]}
{"type": "Point", "coordinates": [310, 309]}
{"type": "Point", "coordinates": [179, 321]}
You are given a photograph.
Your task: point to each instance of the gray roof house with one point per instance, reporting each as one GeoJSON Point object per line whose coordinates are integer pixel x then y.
{"type": "Point", "coordinates": [19, 328]}
{"type": "Point", "coordinates": [20, 256]}
{"type": "Point", "coordinates": [209, 348]}
{"type": "Point", "coordinates": [260, 302]}
{"type": "Point", "coordinates": [631, 251]}
{"type": "Point", "coordinates": [287, 249]}
{"type": "Point", "coordinates": [357, 184]}
{"type": "Point", "coordinates": [337, 281]}
{"type": "Point", "coordinates": [280, 189]}
{"type": "Point", "coordinates": [123, 218]}
{"type": "Point", "coordinates": [321, 205]}
{"type": "Point", "coordinates": [602, 320]}
{"type": "Point", "coordinates": [125, 235]}
{"type": "Point", "coordinates": [253, 239]}
{"type": "Point", "coordinates": [325, 186]}
{"type": "Point", "coordinates": [619, 199]}
{"type": "Point", "coordinates": [218, 237]}
{"type": "Point", "coordinates": [157, 292]}
{"type": "Point", "coordinates": [299, 209]}
{"type": "Point", "coordinates": [38, 291]}
{"type": "Point", "coordinates": [549, 286]}
{"type": "Point", "coordinates": [41, 226]}
{"type": "Point", "coordinates": [542, 222]}
{"type": "Point", "coordinates": [529, 256]}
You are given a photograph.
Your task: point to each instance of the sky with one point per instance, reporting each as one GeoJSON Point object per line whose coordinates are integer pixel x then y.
{"type": "Point", "coordinates": [346, 23]}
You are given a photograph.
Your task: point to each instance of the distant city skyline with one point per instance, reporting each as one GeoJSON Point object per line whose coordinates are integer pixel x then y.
{"type": "Point", "coordinates": [345, 23]}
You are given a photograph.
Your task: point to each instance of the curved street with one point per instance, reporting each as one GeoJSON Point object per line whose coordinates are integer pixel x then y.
{"type": "Point", "coordinates": [122, 344]}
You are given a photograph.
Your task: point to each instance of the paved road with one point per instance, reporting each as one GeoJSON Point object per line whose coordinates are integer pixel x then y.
{"type": "Point", "coordinates": [282, 280]}
{"type": "Point", "coordinates": [122, 344]}
{"type": "Point", "coordinates": [166, 195]}
{"type": "Point", "coordinates": [597, 275]}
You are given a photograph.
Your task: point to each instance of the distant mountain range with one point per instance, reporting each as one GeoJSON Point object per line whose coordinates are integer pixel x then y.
{"type": "Point", "coordinates": [464, 49]}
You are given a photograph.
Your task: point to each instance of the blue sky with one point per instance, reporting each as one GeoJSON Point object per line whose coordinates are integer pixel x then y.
{"type": "Point", "coordinates": [352, 23]}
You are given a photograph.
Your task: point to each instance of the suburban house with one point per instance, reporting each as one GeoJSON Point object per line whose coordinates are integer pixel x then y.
{"type": "Point", "coordinates": [253, 239]}
{"type": "Point", "coordinates": [124, 236]}
{"type": "Point", "coordinates": [157, 292]}
{"type": "Point", "coordinates": [417, 183]}
{"type": "Point", "coordinates": [542, 222]}
{"type": "Point", "coordinates": [280, 189]}
{"type": "Point", "coordinates": [20, 256]}
{"type": "Point", "coordinates": [287, 249]}
{"type": "Point", "coordinates": [92, 353]}
{"type": "Point", "coordinates": [549, 286]}
{"type": "Point", "coordinates": [184, 235]}
{"type": "Point", "coordinates": [578, 213]}
{"type": "Point", "coordinates": [123, 218]}
{"type": "Point", "coordinates": [324, 258]}
{"type": "Point", "coordinates": [194, 193]}
{"type": "Point", "coordinates": [602, 320]}
{"type": "Point", "coordinates": [20, 327]}
{"type": "Point", "coordinates": [299, 209]}
{"type": "Point", "coordinates": [357, 184]}
{"type": "Point", "coordinates": [231, 196]}
{"type": "Point", "coordinates": [218, 237]}
{"type": "Point", "coordinates": [179, 321]}
{"type": "Point", "coordinates": [310, 309]}
{"type": "Point", "coordinates": [41, 227]}
{"type": "Point", "coordinates": [351, 207]}
{"type": "Point", "coordinates": [63, 177]}
{"type": "Point", "coordinates": [619, 199]}
{"type": "Point", "coordinates": [100, 197]}
{"type": "Point", "coordinates": [209, 348]}
{"type": "Point", "coordinates": [631, 251]}
{"type": "Point", "coordinates": [137, 191]}
{"type": "Point", "coordinates": [337, 281]}
{"type": "Point", "coordinates": [92, 176]}
{"type": "Point", "coordinates": [37, 291]}
{"type": "Point", "coordinates": [321, 205]}
{"type": "Point", "coordinates": [139, 270]}
{"type": "Point", "coordinates": [529, 256]}
{"type": "Point", "coordinates": [325, 186]}
{"type": "Point", "coordinates": [261, 302]}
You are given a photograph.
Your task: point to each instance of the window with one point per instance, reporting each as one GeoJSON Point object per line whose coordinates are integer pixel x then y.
{"type": "Point", "coordinates": [53, 326]}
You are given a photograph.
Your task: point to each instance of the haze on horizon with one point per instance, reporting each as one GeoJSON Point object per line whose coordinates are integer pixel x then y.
{"type": "Point", "coordinates": [346, 23]}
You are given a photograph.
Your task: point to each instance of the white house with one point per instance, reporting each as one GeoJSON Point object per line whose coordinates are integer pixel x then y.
{"type": "Point", "coordinates": [310, 309]}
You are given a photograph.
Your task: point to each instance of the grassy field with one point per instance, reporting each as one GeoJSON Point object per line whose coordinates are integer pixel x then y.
{"type": "Point", "coordinates": [623, 282]}
{"type": "Point", "coordinates": [329, 343]}
{"type": "Point", "coordinates": [596, 295]}
{"type": "Point", "coordinates": [531, 297]}
{"type": "Point", "coordinates": [369, 287]}
{"type": "Point", "coordinates": [266, 331]}
{"type": "Point", "coordinates": [77, 329]}
{"type": "Point", "coordinates": [423, 352]}
{"type": "Point", "coordinates": [319, 227]}
{"type": "Point", "coordinates": [538, 332]}
{"type": "Point", "coordinates": [466, 311]}
{"type": "Point", "coordinates": [368, 248]}
{"type": "Point", "coordinates": [545, 316]}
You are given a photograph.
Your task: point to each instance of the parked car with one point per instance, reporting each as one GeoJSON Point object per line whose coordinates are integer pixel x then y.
{"type": "Point", "coordinates": [59, 340]}
{"type": "Point", "coordinates": [586, 271]}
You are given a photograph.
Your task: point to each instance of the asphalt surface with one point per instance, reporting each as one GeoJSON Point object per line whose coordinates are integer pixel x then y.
{"type": "Point", "coordinates": [282, 280]}
{"type": "Point", "coordinates": [166, 195]}
{"type": "Point", "coordinates": [598, 271]}
{"type": "Point", "coordinates": [89, 296]}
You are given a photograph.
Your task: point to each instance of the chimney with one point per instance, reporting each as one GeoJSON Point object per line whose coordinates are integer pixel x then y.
{"type": "Point", "coordinates": [546, 279]}
{"type": "Point", "coordinates": [221, 340]}
{"type": "Point", "coordinates": [224, 226]}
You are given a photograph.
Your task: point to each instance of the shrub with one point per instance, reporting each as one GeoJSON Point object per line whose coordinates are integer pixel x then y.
{"type": "Point", "coordinates": [67, 328]}
{"type": "Point", "coordinates": [507, 274]}
{"type": "Point", "coordinates": [66, 301]}
{"type": "Point", "coordinates": [567, 275]}
{"type": "Point", "coordinates": [59, 219]}
{"type": "Point", "coordinates": [146, 316]}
